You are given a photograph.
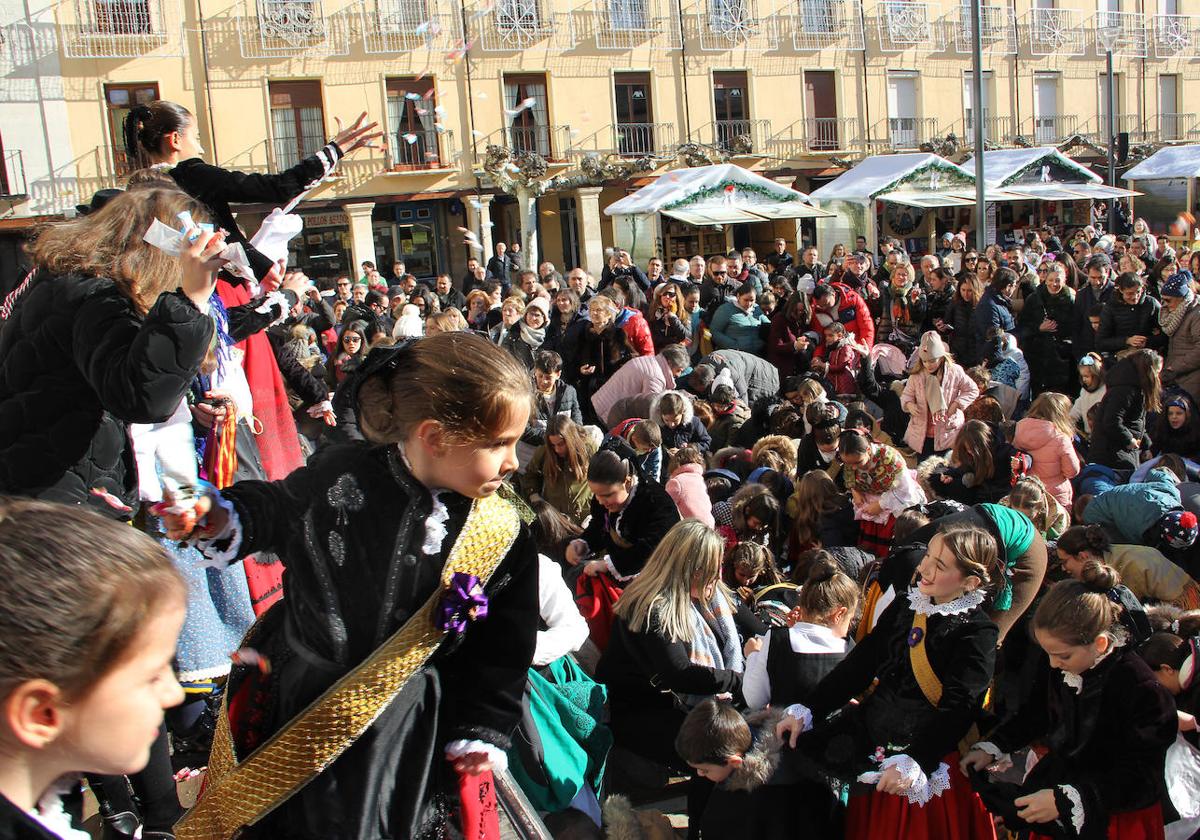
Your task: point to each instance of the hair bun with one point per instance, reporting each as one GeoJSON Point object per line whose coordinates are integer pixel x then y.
{"type": "Point", "coordinates": [820, 571]}
{"type": "Point", "coordinates": [1098, 577]}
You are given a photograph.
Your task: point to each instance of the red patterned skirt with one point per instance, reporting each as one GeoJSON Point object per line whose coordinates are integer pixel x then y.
{"type": "Point", "coordinates": [957, 814]}
{"type": "Point", "coordinates": [1143, 824]}
{"type": "Point", "coordinates": [876, 538]}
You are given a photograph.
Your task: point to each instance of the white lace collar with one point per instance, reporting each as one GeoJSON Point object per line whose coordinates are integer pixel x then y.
{"type": "Point", "coordinates": [1075, 681]}
{"type": "Point", "coordinates": [921, 604]}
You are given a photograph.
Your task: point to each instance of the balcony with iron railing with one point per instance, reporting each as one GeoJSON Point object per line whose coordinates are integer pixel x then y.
{"type": "Point", "coordinates": [816, 135]}
{"type": "Point", "coordinates": [638, 139]}
{"type": "Point", "coordinates": [1096, 128]}
{"type": "Point", "coordinates": [908, 133]}
{"type": "Point", "coordinates": [287, 28]}
{"type": "Point", "coordinates": [1056, 32]}
{"type": "Point", "coordinates": [398, 26]}
{"type": "Point", "coordinates": [117, 28]}
{"type": "Point", "coordinates": [553, 142]}
{"type": "Point", "coordinates": [1049, 129]}
{"type": "Point", "coordinates": [1126, 32]}
{"type": "Point", "coordinates": [1175, 128]}
{"type": "Point", "coordinates": [997, 131]}
{"type": "Point", "coordinates": [824, 24]}
{"type": "Point", "coordinates": [515, 25]}
{"type": "Point", "coordinates": [1173, 35]}
{"type": "Point", "coordinates": [909, 24]}
{"type": "Point", "coordinates": [12, 175]}
{"type": "Point", "coordinates": [626, 24]}
{"type": "Point", "coordinates": [729, 24]}
{"type": "Point", "coordinates": [997, 29]}
{"type": "Point", "coordinates": [737, 137]}
{"type": "Point", "coordinates": [422, 150]}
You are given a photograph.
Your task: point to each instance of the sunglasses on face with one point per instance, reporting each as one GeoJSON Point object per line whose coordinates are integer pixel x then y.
{"type": "Point", "coordinates": [720, 273]}
{"type": "Point", "coordinates": [668, 294]}
{"type": "Point", "coordinates": [971, 259]}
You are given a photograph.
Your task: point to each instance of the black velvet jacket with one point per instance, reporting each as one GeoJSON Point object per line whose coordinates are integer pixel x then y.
{"type": "Point", "coordinates": [639, 528]}
{"type": "Point", "coordinates": [1108, 741]}
{"type": "Point", "coordinates": [217, 188]}
{"type": "Point", "coordinates": [15, 824]}
{"type": "Point", "coordinates": [896, 716]}
{"type": "Point", "coordinates": [350, 529]}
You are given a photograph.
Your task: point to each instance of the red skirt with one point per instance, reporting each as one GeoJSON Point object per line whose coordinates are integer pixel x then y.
{"type": "Point", "coordinates": [876, 538]}
{"type": "Point", "coordinates": [1144, 824]}
{"type": "Point", "coordinates": [958, 814]}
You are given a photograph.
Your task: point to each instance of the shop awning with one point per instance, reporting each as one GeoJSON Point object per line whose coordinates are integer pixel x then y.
{"type": "Point", "coordinates": [1018, 168]}
{"type": "Point", "coordinates": [884, 176]}
{"type": "Point", "coordinates": [1171, 162]}
{"type": "Point", "coordinates": [721, 194]}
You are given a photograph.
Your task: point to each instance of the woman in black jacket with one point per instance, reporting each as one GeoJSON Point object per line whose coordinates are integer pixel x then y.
{"type": "Point", "coordinates": [674, 644]}
{"type": "Point", "coordinates": [164, 134]}
{"type": "Point", "coordinates": [957, 320]}
{"type": "Point", "coordinates": [1132, 388]}
{"type": "Point", "coordinates": [111, 331]}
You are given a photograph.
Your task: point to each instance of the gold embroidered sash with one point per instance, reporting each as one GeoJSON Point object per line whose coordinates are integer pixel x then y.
{"type": "Point", "coordinates": [239, 794]}
{"type": "Point", "coordinates": [930, 685]}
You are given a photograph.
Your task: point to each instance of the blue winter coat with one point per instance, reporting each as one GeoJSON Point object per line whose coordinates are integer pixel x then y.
{"type": "Point", "coordinates": [1131, 509]}
{"type": "Point", "coordinates": [735, 329]}
{"type": "Point", "coordinates": [994, 310]}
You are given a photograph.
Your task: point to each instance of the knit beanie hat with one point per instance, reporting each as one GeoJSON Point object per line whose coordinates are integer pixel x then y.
{"type": "Point", "coordinates": [1179, 285]}
{"type": "Point", "coordinates": [1178, 528]}
{"type": "Point", "coordinates": [539, 303]}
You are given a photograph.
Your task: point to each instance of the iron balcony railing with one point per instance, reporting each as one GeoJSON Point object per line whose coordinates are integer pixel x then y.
{"type": "Point", "coordinates": [553, 142]}
{"type": "Point", "coordinates": [906, 133]}
{"type": "Point", "coordinates": [997, 29]}
{"type": "Point", "coordinates": [741, 137]}
{"type": "Point", "coordinates": [908, 24]}
{"type": "Point", "coordinates": [421, 149]}
{"type": "Point", "coordinates": [117, 28]}
{"type": "Point", "coordinates": [1173, 35]}
{"type": "Point", "coordinates": [826, 24]}
{"type": "Point", "coordinates": [1126, 30]}
{"type": "Point", "coordinates": [829, 134]}
{"type": "Point", "coordinates": [637, 139]}
{"type": "Point", "coordinates": [12, 175]}
{"type": "Point", "coordinates": [996, 130]}
{"type": "Point", "coordinates": [395, 26]}
{"type": "Point", "coordinates": [1048, 129]}
{"type": "Point", "coordinates": [1056, 32]}
{"type": "Point", "coordinates": [1175, 128]}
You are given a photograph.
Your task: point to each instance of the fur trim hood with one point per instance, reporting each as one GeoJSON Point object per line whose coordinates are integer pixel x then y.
{"type": "Point", "coordinates": [656, 411]}
{"type": "Point", "coordinates": [622, 822]}
{"type": "Point", "coordinates": [759, 764]}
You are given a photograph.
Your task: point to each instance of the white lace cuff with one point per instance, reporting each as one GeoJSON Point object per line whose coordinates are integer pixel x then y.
{"type": "Point", "coordinates": [318, 410]}
{"type": "Point", "coordinates": [460, 747]}
{"type": "Point", "coordinates": [435, 527]}
{"type": "Point", "coordinates": [1003, 759]}
{"type": "Point", "coordinates": [919, 789]}
{"type": "Point", "coordinates": [270, 302]}
{"type": "Point", "coordinates": [223, 547]}
{"type": "Point", "coordinates": [612, 570]}
{"type": "Point", "coordinates": [1077, 815]}
{"type": "Point", "coordinates": [801, 713]}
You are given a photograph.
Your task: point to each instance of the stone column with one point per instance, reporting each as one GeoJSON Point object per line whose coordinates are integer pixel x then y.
{"type": "Point", "coordinates": [362, 239]}
{"type": "Point", "coordinates": [591, 240]}
{"type": "Point", "coordinates": [479, 220]}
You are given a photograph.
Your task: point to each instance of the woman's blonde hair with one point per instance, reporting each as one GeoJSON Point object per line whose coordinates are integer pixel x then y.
{"type": "Point", "coordinates": [809, 390]}
{"type": "Point", "coordinates": [108, 243]}
{"type": "Point", "coordinates": [776, 452]}
{"type": "Point", "coordinates": [603, 302]}
{"type": "Point", "coordinates": [688, 557]}
{"type": "Point", "coordinates": [449, 320]}
{"type": "Point", "coordinates": [514, 302]}
{"type": "Point", "coordinates": [1029, 495]}
{"type": "Point", "coordinates": [469, 385]}
{"type": "Point", "coordinates": [1055, 408]}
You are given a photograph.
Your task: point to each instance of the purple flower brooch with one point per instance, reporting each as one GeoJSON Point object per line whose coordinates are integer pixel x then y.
{"type": "Point", "coordinates": [463, 601]}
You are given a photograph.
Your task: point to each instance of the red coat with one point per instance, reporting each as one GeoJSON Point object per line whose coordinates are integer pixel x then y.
{"type": "Point", "coordinates": [852, 312]}
{"type": "Point", "coordinates": [637, 332]}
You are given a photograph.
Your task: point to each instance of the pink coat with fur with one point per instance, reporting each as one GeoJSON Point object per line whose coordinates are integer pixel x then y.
{"type": "Point", "coordinates": [686, 488]}
{"type": "Point", "coordinates": [957, 390]}
{"type": "Point", "coordinates": [1054, 458]}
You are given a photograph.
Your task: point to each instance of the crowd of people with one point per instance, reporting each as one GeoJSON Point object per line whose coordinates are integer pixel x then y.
{"type": "Point", "coordinates": [881, 546]}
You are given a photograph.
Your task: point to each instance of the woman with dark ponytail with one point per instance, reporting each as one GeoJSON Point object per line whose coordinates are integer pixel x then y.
{"type": "Point", "coordinates": [164, 134]}
{"type": "Point", "coordinates": [1106, 721]}
{"type": "Point", "coordinates": [1146, 571]}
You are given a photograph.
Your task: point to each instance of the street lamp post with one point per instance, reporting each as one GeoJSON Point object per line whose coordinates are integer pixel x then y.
{"type": "Point", "coordinates": [1108, 34]}
{"type": "Point", "coordinates": [978, 110]}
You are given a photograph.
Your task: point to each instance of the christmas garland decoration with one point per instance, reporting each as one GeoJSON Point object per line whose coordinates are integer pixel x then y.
{"type": "Point", "coordinates": [934, 165]}
{"type": "Point", "coordinates": [1037, 165]}
{"type": "Point", "coordinates": [720, 189]}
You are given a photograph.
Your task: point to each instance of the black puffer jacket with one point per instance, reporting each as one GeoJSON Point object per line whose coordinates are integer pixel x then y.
{"type": "Point", "coordinates": [1119, 321]}
{"type": "Point", "coordinates": [1121, 421]}
{"type": "Point", "coordinates": [78, 363]}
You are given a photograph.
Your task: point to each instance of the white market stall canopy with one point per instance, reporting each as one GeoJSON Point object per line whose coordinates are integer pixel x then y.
{"type": "Point", "coordinates": [918, 180]}
{"type": "Point", "coordinates": [1171, 162]}
{"type": "Point", "coordinates": [721, 194]}
{"type": "Point", "coordinates": [1042, 173]}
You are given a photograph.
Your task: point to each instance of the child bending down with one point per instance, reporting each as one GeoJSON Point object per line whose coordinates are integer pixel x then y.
{"type": "Point", "coordinates": [881, 486]}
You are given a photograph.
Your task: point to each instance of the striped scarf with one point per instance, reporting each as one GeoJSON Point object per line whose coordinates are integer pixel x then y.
{"type": "Point", "coordinates": [714, 642]}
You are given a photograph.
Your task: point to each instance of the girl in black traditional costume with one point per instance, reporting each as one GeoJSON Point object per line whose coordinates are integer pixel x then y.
{"type": "Point", "coordinates": [395, 550]}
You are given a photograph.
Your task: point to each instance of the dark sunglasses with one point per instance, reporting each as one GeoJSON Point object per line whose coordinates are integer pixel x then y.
{"type": "Point", "coordinates": [720, 273]}
{"type": "Point", "coordinates": [669, 294]}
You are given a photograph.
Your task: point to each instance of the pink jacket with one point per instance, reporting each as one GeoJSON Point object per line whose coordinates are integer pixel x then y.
{"type": "Point", "coordinates": [640, 375]}
{"type": "Point", "coordinates": [958, 391]}
{"type": "Point", "coordinates": [1054, 458]}
{"type": "Point", "coordinates": [686, 488]}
